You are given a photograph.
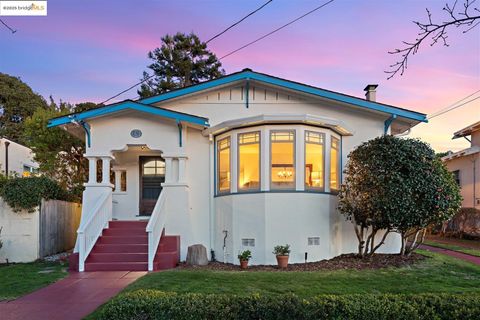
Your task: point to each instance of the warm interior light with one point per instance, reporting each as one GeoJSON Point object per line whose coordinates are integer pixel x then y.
{"type": "Point", "coordinates": [249, 161]}
{"type": "Point", "coordinates": [282, 159]}
{"type": "Point", "coordinates": [314, 163]}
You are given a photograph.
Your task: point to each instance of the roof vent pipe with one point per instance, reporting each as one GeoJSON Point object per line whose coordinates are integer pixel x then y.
{"type": "Point", "coordinates": [371, 92]}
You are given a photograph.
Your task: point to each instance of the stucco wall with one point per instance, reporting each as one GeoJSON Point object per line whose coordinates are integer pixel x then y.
{"type": "Point", "coordinates": [465, 165]}
{"type": "Point", "coordinates": [20, 234]}
{"type": "Point", "coordinates": [285, 218]}
{"type": "Point", "coordinates": [270, 218]}
{"type": "Point", "coordinates": [18, 156]}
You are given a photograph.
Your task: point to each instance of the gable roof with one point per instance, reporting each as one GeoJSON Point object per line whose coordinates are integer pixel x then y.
{"type": "Point", "coordinates": [467, 130]}
{"type": "Point", "coordinates": [146, 105]}
{"type": "Point", "coordinates": [125, 105]}
{"type": "Point", "coordinates": [248, 74]}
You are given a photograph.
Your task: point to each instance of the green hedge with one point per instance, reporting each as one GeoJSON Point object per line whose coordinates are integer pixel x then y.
{"type": "Point", "coordinates": [27, 193]}
{"type": "Point", "coordinates": [153, 304]}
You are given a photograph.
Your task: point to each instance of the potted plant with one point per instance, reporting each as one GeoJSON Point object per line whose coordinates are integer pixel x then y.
{"type": "Point", "coordinates": [244, 256]}
{"type": "Point", "coordinates": [282, 253]}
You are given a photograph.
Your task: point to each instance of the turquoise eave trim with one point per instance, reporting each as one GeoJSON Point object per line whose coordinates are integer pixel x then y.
{"type": "Point", "coordinates": [128, 104]}
{"type": "Point", "coordinates": [251, 75]}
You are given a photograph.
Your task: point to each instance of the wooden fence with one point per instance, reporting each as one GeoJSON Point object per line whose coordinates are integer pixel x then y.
{"type": "Point", "coordinates": [59, 222]}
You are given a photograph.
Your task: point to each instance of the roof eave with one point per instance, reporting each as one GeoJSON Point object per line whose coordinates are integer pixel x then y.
{"type": "Point", "coordinates": [295, 86]}
{"type": "Point", "coordinates": [124, 105]}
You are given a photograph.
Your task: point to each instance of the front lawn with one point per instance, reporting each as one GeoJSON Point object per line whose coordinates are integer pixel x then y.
{"type": "Point", "coordinates": [438, 273]}
{"type": "Point", "coordinates": [19, 279]}
{"type": "Point", "coordinates": [460, 245]}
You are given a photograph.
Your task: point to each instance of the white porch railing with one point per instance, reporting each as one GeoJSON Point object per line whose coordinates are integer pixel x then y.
{"type": "Point", "coordinates": [90, 231]}
{"type": "Point", "coordinates": [155, 228]}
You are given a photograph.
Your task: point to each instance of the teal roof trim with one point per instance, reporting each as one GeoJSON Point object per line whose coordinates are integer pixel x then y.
{"type": "Point", "coordinates": [128, 104]}
{"type": "Point", "coordinates": [247, 74]}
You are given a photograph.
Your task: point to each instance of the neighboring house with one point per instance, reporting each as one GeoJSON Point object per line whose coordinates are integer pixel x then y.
{"type": "Point", "coordinates": [245, 161]}
{"type": "Point", "coordinates": [16, 158]}
{"type": "Point", "coordinates": [465, 165]}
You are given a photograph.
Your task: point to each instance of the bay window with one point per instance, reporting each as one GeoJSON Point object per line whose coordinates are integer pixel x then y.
{"type": "Point", "coordinates": [335, 164]}
{"type": "Point", "coordinates": [282, 159]}
{"type": "Point", "coordinates": [223, 165]}
{"type": "Point", "coordinates": [249, 161]}
{"type": "Point", "coordinates": [314, 160]}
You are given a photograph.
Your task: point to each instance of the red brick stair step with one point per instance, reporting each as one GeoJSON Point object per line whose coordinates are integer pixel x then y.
{"type": "Point", "coordinates": [124, 247]}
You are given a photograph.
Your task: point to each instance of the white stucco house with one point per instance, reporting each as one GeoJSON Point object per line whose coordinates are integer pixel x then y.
{"type": "Point", "coordinates": [16, 158]}
{"type": "Point", "coordinates": [465, 165]}
{"type": "Point", "coordinates": [245, 161]}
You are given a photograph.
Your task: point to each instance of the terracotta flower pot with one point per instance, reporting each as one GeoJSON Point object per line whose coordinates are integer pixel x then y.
{"type": "Point", "coordinates": [282, 261]}
{"type": "Point", "coordinates": [243, 264]}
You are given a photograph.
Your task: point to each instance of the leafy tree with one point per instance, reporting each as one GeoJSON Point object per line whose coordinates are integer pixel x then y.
{"type": "Point", "coordinates": [17, 102]}
{"type": "Point", "coordinates": [396, 185]}
{"type": "Point", "coordinates": [59, 153]}
{"type": "Point", "coordinates": [182, 60]}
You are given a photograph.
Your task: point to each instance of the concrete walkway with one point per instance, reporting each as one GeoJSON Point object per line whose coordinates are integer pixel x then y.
{"type": "Point", "coordinates": [74, 297]}
{"type": "Point", "coordinates": [455, 254]}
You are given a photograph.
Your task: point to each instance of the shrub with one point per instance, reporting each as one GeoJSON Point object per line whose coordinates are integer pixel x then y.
{"type": "Point", "coordinates": [281, 250]}
{"type": "Point", "coordinates": [153, 304]}
{"type": "Point", "coordinates": [27, 193]}
{"type": "Point", "coordinates": [245, 255]}
{"type": "Point", "coordinates": [396, 185]}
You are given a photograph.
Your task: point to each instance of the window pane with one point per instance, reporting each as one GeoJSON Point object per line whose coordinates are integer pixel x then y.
{"type": "Point", "coordinates": [282, 160]}
{"type": "Point", "coordinates": [150, 164]}
{"type": "Point", "coordinates": [223, 165]}
{"type": "Point", "coordinates": [148, 171]}
{"type": "Point", "coordinates": [314, 162]}
{"type": "Point", "coordinates": [123, 181]}
{"type": "Point", "coordinates": [335, 164]}
{"type": "Point", "coordinates": [249, 161]}
{"type": "Point", "coordinates": [248, 138]}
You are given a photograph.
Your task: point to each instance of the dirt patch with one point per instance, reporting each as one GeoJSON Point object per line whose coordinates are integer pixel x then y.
{"type": "Point", "coordinates": [346, 261]}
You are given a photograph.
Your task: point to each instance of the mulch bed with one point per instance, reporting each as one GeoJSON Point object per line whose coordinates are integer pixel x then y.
{"type": "Point", "coordinates": [346, 261]}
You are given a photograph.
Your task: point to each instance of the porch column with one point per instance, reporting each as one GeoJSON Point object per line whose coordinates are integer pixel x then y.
{"type": "Point", "coordinates": [168, 169]}
{"type": "Point", "coordinates": [182, 161]}
{"type": "Point", "coordinates": [92, 169]}
{"type": "Point", "coordinates": [118, 179]}
{"type": "Point", "coordinates": [106, 169]}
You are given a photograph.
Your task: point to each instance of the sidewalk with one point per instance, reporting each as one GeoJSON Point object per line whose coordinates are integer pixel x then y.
{"type": "Point", "coordinates": [74, 297]}
{"type": "Point", "coordinates": [455, 254]}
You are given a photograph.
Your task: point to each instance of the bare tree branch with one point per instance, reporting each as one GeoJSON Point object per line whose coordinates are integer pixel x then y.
{"type": "Point", "coordinates": [466, 18]}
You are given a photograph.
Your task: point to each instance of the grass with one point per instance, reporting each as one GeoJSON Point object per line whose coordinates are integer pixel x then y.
{"type": "Point", "coordinates": [473, 252]}
{"type": "Point", "coordinates": [438, 273]}
{"type": "Point", "coordinates": [21, 278]}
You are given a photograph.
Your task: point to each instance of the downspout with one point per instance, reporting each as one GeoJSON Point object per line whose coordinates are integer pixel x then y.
{"type": "Point", "coordinates": [7, 143]}
{"type": "Point", "coordinates": [474, 179]}
{"type": "Point", "coordinates": [247, 93]}
{"type": "Point", "coordinates": [85, 126]}
{"type": "Point", "coordinates": [388, 123]}
{"type": "Point", "coordinates": [180, 137]}
{"type": "Point", "coordinates": [212, 192]}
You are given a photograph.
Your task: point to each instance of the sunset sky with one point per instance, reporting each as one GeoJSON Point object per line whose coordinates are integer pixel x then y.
{"type": "Point", "coordinates": [90, 50]}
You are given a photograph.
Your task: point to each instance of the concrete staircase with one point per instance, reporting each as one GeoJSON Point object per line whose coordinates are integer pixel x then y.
{"type": "Point", "coordinates": [124, 247]}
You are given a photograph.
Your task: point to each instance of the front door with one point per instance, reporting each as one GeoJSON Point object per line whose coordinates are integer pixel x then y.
{"type": "Point", "coordinates": [152, 175]}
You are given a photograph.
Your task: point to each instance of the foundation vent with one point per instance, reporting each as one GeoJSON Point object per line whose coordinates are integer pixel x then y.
{"type": "Point", "coordinates": [248, 242]}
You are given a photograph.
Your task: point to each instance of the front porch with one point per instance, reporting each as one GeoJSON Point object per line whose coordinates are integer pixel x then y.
{"type": "Point", "coordinates": [125, 203]}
